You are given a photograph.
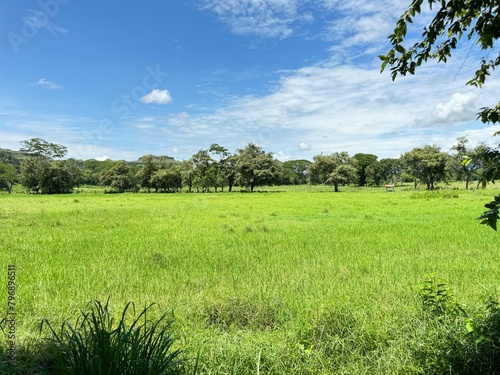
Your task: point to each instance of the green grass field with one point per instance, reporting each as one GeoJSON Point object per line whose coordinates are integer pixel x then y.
{"type": "Point", "coordinates": [304, 282]}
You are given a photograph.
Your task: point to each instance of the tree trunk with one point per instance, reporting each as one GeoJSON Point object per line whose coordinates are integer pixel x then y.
{"type": "Point", "coordinates": [431, 183]}
{"type": "Point", "coordinates": [336, 187]}
{"type": "Point", "coordinates": [467, 183]}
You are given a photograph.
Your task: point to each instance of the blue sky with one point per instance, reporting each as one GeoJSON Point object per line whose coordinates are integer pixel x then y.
{"type": "Point", "coordinates": [298, 77]}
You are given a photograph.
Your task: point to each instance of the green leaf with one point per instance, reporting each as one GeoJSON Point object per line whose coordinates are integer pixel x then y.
{"type": "Point", "coordinates": [384, 64]}
{"type": "Point", "coordinates": [399, 48]}
{"type": "Point", "coordinates": [493, 117]}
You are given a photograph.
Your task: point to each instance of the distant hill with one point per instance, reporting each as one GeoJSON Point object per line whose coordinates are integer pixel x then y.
{"type": "Point", "coordinates": [11, 157]}
{"type": "Point", "coordinates": [15, 158]}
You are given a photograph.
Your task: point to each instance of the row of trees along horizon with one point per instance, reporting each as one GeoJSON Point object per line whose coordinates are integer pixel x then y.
{"type": "Point", "coordinates": [40, 168]}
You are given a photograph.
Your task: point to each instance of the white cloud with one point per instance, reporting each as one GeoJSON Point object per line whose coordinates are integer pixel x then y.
{"type": "Point", "coordinates": [342, 107]}
{"type": "Point", "coordinates": [102, 158]}
{"type": "Point", "coordinates": [145, 126]}
{"type": "Point", "coordinates": [461, 107]}
{"type": "Point", "coordinates": [281, 156]}
{"type": "Point", "coordinates": [304, 146]}
{"type": "Point", "coordinates": [46, 84]}
{"type": "Point", "coordinates": [157, 96]}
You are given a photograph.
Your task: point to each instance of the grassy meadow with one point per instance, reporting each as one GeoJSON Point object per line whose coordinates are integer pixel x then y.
{"type": "Point", "coordinates": [302, 281]}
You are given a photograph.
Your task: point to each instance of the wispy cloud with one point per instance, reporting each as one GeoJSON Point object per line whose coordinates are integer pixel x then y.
{"type": "Point", "coordinates": [46, 84]}
{"type": "Point", "coordinates": [351, 21]}
{"type": "Point", "coordinates": [157, 97]}
{"type": "Point", "coordinates": [261, 18]}
{"type": "Point", "coordinates": [344, 107]}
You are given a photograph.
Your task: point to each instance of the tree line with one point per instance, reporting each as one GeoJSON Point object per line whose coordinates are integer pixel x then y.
{"type": "Point", "coordinates": [40, 168]}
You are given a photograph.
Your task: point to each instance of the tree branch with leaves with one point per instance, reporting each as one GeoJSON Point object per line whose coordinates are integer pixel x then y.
{"type": "Point", "coordinates": [476, 20]}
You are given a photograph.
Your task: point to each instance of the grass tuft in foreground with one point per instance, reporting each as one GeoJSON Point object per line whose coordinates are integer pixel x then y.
{"type": "Point", "coordinates": [96, 344]}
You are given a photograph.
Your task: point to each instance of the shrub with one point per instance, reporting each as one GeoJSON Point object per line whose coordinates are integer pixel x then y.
{"type": "Point", "coordinates": [455, 341]}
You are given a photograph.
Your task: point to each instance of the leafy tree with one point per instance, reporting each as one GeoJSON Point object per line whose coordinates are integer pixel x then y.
{"type": "Point", "coordinates": [39, 173]}
{"type": "Point", "coordinates": [256, 167]}
{"type": "Point", "coordinates": [335, 169]}
{"type": "Point", "coordinates": [479, 20]}
{"type": "Point", "coordinates": [373, 174]}
{"type": "Point", "coordinates": [220, 157]}
{"type": "Point", "coordinates": [466, 162]}
{"type": "Point", "coordinates": [295, 172]}
{"type": "Point", "coordinates": [167, 179]}
{"type": "Point", "coordinates": [119, 177]}
{"type": "Point", "coordinates": [75, 170]}
{"type": "Point", "coordinates": [59, 177]}
{"type": "Point", "coordinates": [491, 172]}
{"type": "Point", "coordinates": [8, 176]}
{"type": "Point", "coordinates": [427, 164]}
{"type": "Point", "coordinates": [40, 148]}
{"type": "Point", "coordinates": [204, 175]}
{"type": "Point", "coordinates": [187, 173]}
{"type": "Point", "coordinates": [364, 161]}
{"type": "Point", "coordinates": [149, 168]}
{"type": "Point", "coordinates": [32, 171]}
{"type": "Point", "coordinates": [390, 169]}
{"type": "Point", "coordinates": [229, 171]}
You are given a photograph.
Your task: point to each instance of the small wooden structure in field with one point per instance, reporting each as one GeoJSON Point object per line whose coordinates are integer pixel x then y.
{"type": "Point", "coordinates": [389, 187]}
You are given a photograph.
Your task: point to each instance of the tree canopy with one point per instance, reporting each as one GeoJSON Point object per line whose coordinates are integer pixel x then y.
{"type": "Point", "coordinates": [478, 20]}
{"type": "Point", "coordinates": [335, 169]}
{"type": "Point", "coordinates": [427, 164]}
{"type": "Point", "coordinates": [215, 168]}
{"type": "Point", "coordinates": [364, 162]}
{"type": "Point", "coordinates": [119, 177]}
{"type": "Point", "coordinates": [256, 167]}
{"type": "Point", "coordinates": [41, 148]}
{"type": "Point", "coordinates": [8, 176]}
{"type": "Point", "coordinates": [466, 161]}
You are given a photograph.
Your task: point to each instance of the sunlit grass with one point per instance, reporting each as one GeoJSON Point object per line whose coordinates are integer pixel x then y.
{"type": "Point", "coordinates": [252, 278]}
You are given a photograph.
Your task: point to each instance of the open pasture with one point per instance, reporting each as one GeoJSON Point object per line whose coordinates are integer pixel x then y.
{"type": "Point", "coordinates": [303, 282]}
